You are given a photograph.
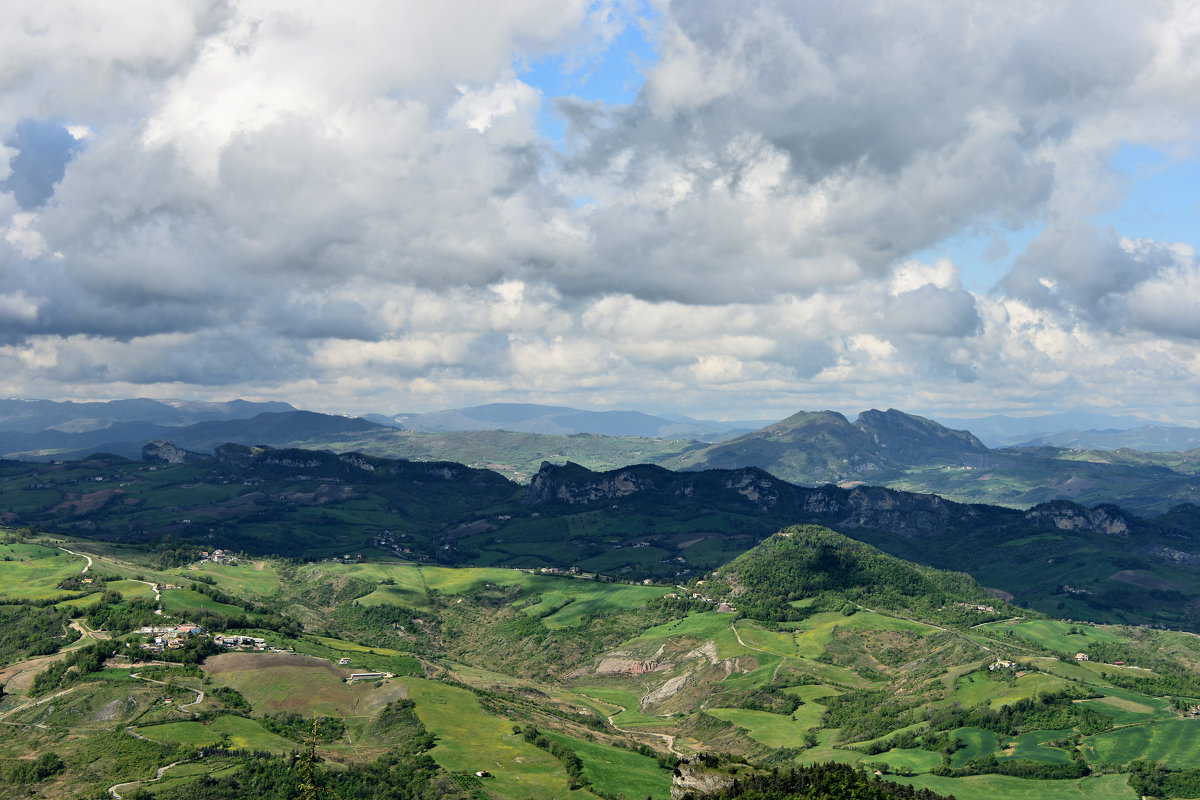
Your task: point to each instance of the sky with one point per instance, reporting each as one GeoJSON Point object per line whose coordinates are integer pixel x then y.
{"type": "Point", "coordinates": [727, 210]}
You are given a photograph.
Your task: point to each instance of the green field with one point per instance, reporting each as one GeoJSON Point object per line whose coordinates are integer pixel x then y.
{"type": "Point", "coordinates": [908, 762]}
{"type": "Point", "coordinates": [370, 659]}
{"type": "Point", "coordinates": [257, 579]}
{"type": "Point", "coordinates": [1053, 634]}
{"type": "Point", "coordinates": [632, 716]}
{"type": "Point", "coordinates": [299, 684]}
{"type": "Point", "coordinates": [618, 771]}
{"type": "Point", "coordinates": [236, 732]}
{"type": "Point", "coordinates": [976, 743]}
{"type": "Point", "coordinates": [1127, 707]}
{"type": "Point", "coordinates": [773, 730]}
{"type": "Point", "coordinates": [574, 598]}
{"type": "Point", "coordinates": [1173, 742]}
{"type": "Point", "coordinates": [979, 687]}
{"type": "Point", "coordinates": [1030, 746]}
{"type": "Point", "coordinates": [32, 572]}
{"type": "Point", "coordinates": [1002, 787]}
{"type": "Point", "coordinates": [470, 739]}
{"type": "Point", "coordinates": [181, 601]}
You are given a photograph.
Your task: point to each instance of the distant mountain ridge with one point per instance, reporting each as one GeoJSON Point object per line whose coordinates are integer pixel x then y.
{"type": "Point", "coordinates": [1001, 430]}
{"type": "Point", "coordinates": [126, 439]}
{"type": "Point", "coordinates": [825, 447]}
{"type": "Point", "coordinates": [1147, 438]}
{"type": "Point", "coordinates": [561, 420]}
{"type": "Point", "coordinates": [32, 416]}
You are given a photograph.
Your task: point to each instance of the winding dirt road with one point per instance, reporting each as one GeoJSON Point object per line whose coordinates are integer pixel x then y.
{"type": "Point", "coordinates": [112, 790]}
{"type": "Point", "coordinates": [79, 555]}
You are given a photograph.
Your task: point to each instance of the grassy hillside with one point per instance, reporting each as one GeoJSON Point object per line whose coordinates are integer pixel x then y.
{"type": "Point", "coordinates": [573, 687]}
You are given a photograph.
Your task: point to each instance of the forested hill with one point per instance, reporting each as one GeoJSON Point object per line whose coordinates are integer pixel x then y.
{"type": "Point", "coordinates": [806, 561]}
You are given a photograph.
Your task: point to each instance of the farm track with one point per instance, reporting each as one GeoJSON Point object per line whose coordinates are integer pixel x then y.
{"type": "Point", "coordinates": [665, 737]}
{"type": "Point", "coordinates": [79, 555]}
{"type": "Point", "coordinates": [112, 790]}
{"type": "Point", "coordinates": [199, 696]}
{"type": "Point", "coordinates": [4, 717]}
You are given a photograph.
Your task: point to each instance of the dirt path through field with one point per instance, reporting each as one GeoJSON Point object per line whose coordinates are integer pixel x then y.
{"type": "Point", "coordinates": [667, 738]}
{"type": "Point", "coordinates": [79, 555]}
{"type": "Point", "coordinates": [4, 717]}
{"type": "Point", "coordinates": [199, 697]}
{"type": "Point", "coordinates": [112, 790]}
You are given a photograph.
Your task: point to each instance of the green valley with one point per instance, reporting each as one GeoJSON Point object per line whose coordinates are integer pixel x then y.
{"type": "Point", "coordinates": [807, 649]}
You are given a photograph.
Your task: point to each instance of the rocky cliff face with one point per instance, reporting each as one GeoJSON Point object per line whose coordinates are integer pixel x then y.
{"type": "Point", "coordinates": [1106, 520]}
{"type": "Point", "coordinates": [160, 451]}
{"type": "Point", "coordinates": [574, 484]}
{"type": "Point", "coordinates": [904, 513]}
{"type": "Point", "coordinates": [693, 778]}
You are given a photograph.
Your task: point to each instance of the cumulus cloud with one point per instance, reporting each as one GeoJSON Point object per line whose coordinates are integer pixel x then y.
{"type": "Point", "coordinates": [358, 204]}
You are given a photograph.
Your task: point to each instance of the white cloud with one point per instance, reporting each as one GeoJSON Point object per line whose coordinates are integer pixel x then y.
{"type": "Point", "coordinates": [354, 204]}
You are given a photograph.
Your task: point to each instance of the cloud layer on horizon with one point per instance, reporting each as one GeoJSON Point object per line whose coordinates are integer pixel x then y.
{"type": "Point", "coordinates": [359, 211]}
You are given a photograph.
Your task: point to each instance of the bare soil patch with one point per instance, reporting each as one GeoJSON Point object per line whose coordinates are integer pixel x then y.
{"type": "Point", "coordinates": [84, 504]}
{"type": "Point", "coordinates": [232, 662]}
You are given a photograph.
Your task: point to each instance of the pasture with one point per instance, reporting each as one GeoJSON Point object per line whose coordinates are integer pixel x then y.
{"type": "Point", "coordinates": [990, 787]}
{"type": "Point", "coordinates": [1056, 635]}
{"type": "Point", "coordinates": [470, 739]}
{"type": "Point", "coordinates": [181, 601]}
{"type": "Point", "coordinates": [575, 598]}
{"type": "Point", "coordinates": [618, 771]}
{"type": "Point", "coordinates": [1173, 742]}
{"type": "Point", "coordinates": [232, 732]}
{"type": "Point", "coordinates": [977, 742]}
{"type": "Point", "coordinates": [906, 761]}
{"type": "Point", "coordinates": [32, 572]}
{"type": "Point", "coordinates": [773, 730]}
{"type": "Point", "coordinates": [632, 716]}
{"type": "Point", "coordinates": [256, 579]}
{"type": "Point", "coordinates": [1031, 746]}
{"type": "Point", "coordinates": [301, 684]}
{"type": "Point", "coordinates": [982, 687]}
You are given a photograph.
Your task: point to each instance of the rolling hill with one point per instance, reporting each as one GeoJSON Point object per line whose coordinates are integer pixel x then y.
{"type": "Point", "coordinates": [830, 665]}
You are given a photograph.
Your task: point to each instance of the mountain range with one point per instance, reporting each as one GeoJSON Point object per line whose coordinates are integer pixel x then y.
{"type": "Point", "coordinates": [561, 420]}
{"type": "Point", "coordinates": [889, 448]}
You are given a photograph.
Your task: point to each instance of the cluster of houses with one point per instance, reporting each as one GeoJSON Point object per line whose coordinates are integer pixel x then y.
{"type": "Point", "coordinates": [218, 557]}
{"type": "Point", "coordinates": [723, 607]}
{"type": "Point", "coordinates": [169, 637]}
{"type": "Point", "coordinates": [1080, 657]}
{"type": "Point", "coordinates": [977, 607]}
{"type": "Point", "coordinates": [234, 641]}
